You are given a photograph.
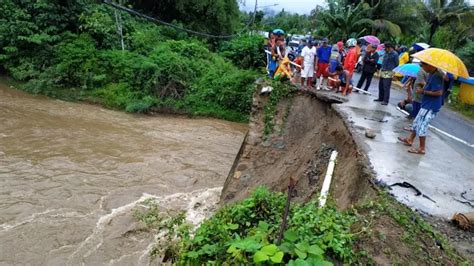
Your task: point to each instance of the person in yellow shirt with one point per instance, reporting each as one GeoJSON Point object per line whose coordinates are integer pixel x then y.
{"type": "Point", "coordinates": [403, 58]}
{"type": "Point", "coordinates": [284, 70]}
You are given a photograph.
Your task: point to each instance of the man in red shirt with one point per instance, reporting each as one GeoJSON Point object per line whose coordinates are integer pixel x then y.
{"type": "Point", "coordinates": [351, 59]}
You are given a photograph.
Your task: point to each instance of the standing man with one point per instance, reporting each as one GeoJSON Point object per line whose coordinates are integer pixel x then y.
{"type": "Point", "coordinates": [369, 67]}
{"type": "Point", "coordinates": [307, 68]}
{"type": "Point", "coordinates": [430, 106]}
{"type": "Point", "coordinates": [322, 62]}
{"type": "Point", "coordinates": [390, 62]}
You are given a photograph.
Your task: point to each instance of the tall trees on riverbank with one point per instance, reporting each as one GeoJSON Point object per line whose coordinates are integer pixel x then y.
{"type": "Point", "coordinates": [83, 50]}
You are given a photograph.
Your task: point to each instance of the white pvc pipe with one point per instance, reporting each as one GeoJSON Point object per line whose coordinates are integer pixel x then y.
{"type": "Point", "coordinates": [327, 179]}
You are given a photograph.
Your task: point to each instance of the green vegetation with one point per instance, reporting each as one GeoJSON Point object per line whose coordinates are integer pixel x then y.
{"type": "Point", "coordinates": [74, 52]}
{"type": "Point", "coordinates": [247, 232]}
{"type": "Point", "coordinates": [81, 50]}
{"type": "Point", "coordinates": [245, 52]}
{"type": "Point", "coordinates": [465, 109]}
{"type": "Point", "coordinates": [280, 91]}
{"type": "Point", "coordinates": [444, 24]}
{"type": "Point", "coordinates": [416, 231]}
{"type": "Point", "coordinates": [467, 54]}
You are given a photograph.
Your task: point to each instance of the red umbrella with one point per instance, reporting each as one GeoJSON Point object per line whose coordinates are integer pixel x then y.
{"type": "Point", "coordinates": [371, 39]}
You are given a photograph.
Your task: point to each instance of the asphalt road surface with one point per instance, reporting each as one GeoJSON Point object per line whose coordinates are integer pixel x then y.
{"type": "Point", "coordinates": [447, 120]}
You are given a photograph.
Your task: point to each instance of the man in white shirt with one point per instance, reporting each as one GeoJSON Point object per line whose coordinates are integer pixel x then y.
{"type": "Point", "coordinates": [307, 68]}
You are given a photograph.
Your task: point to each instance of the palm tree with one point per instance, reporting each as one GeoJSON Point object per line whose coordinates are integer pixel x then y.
{"type": "Point", "coordinates": [354, 17]}
{"type": "Point", "coordinates": [343, 20]}
{"type": "Point", "coordinates": [442, 12]}
{"type": "Point", "coordinates": [395, 16]}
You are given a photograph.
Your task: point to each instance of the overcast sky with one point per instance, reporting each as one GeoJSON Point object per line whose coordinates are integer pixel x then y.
{"type": "Point", "coordinates": [295, 6]}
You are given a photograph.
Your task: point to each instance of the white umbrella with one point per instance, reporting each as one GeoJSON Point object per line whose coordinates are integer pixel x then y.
{"type": "Point", "coordinates": [421, 46]}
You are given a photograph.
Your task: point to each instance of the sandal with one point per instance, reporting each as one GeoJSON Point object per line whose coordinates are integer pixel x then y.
{"type": "Point", "coordinates": [408, 128]}
{"type": "Point", "coordinates": [404, 141]}
{"type": "Point", "coordinates": [416, 151]}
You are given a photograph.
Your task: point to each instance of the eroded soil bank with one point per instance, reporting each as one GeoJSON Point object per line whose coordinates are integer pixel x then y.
{"type": "Point", "coordinates": [306, 130]}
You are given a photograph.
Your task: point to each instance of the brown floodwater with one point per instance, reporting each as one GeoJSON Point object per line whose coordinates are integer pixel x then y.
{"type": "Point", "coordinates": [71, 175]}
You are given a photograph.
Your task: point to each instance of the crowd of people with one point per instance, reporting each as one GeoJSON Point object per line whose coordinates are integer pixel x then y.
{"type": "Point", "coordinates": [321, 66]}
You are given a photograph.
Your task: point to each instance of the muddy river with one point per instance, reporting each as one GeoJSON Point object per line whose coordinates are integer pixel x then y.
{"type": "Point", "coordinates": [71, 175]}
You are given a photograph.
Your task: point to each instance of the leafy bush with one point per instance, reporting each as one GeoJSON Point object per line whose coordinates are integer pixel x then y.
{"type": "Point", "coordinates": [247, 232]}
{"type": "Point", "coordinates": [138, 71]}
{"type": "Point", "coordinates": [28, 31]}
{"type": "Point", "coordinates": [153, 70]}
{"type": "Point", "coordinates": [76, 61]}
{"type": "Point", "coordinates": [144, 38]}
{"type": "Point", "coordinates": [466, 53]}
{"type": "Point", "coordinates": [100, 23]}
{"type": "Point", "coordinates": [224, 85]}
{"type": "Point", "coordinates": [245, 51]}
{"type": "Point", "coordinates": [116, 95]}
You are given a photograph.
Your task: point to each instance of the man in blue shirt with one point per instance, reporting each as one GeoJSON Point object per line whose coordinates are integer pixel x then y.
{"type": "Point", "coordinates": [390, 62]}
{"type": "Point", "coordinates": [430, 105]}
{"type": "Point", "coordinates": [322, 62]}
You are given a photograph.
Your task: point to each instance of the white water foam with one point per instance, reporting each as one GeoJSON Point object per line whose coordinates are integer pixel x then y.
{"type": "Point", "coordinates": [201, 204]}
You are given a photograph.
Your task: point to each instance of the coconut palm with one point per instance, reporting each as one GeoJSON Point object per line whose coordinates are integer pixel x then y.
{"type": "Point", "coordinates": [342, 20]}
{"type": "Point", "coordinates": [443, 12]}
{"type": "Point", "coordinates": [388, 18]}
{"type": "Point", "coordinates": [396, 16]}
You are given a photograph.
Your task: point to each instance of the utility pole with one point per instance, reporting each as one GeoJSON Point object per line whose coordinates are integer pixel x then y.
{"type": "Point", "coordinates": [119, 23]}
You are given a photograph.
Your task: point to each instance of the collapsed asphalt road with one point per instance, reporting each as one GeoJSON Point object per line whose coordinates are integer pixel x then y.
{"type": "Point", "coordinates": [447, 120]}
{"type": "Point", "coordinates": [443, 174]}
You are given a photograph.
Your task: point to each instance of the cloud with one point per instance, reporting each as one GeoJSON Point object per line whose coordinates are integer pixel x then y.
{"type": "Point", "coordinates": [294, 6]}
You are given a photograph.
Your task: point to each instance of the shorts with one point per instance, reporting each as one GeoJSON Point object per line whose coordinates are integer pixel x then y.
{"type": "Point", "coordinates": [322, 70]}
{"type": "Point", "coordinates": [422, 121]}
{"type": "Point", "coordinates": [343, 84]}
{"type": "Point", "coordinates": [307, 72]}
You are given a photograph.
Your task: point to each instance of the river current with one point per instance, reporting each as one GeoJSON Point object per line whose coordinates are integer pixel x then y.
{"type": "Point", "coordinates": [72, 174]}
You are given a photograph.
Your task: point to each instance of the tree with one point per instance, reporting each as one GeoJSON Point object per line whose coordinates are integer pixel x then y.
{"type": "Point", "coordinates": [219, 17]}
{"type": "Point", "coordinates": [442, 12]}
{"type": "Point", "coordinates": [342, 21]}
{"type": "Point", "coordinates": [30, 28]}
{"type": "Point", "coordinates": [394, 17]}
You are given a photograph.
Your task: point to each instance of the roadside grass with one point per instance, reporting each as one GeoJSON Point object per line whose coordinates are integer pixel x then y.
{"type": "Point", "coordinates": [462, 108]}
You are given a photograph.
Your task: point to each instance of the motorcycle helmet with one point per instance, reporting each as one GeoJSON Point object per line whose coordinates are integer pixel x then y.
{"type": "Point", "coordinates": [351, 42]}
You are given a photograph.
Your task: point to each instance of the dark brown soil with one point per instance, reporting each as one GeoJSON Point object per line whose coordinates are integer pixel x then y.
{"type": "Point", "coordinates": [306, 131]}
{"type": "Point", "coordinates": [462, 240]}
{"type": "Point", "coordinates": [299, 148]}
